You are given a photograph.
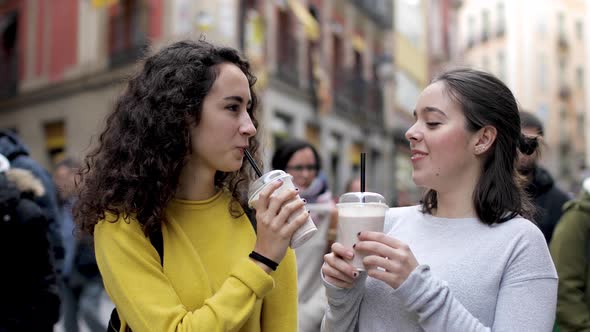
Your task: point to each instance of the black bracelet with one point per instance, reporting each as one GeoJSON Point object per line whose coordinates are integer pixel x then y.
{"type": "Point", "coordinates": [266, 261]}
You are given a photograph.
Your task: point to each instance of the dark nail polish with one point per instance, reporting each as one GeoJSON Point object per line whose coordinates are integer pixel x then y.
{"type": "Point", "coordinates": [356, 274]}
{"type": "Point", "coordinates": [296, 189]}
{"type": "Point", "coordinates": [358, 234]}
{"type": "Point", "coordinates": [354, 245]}
{"type": "Point", "coordinates": [304, 200]}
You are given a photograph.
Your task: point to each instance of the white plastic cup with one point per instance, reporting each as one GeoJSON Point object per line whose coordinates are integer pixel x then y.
{"type": "Point", "coordinates": [307, 230]}
{"type": "Point", "coordinates": [357, 212]}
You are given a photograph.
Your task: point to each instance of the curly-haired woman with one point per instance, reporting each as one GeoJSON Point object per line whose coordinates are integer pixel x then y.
{"type": "Point", "coordinates": [171, 159]}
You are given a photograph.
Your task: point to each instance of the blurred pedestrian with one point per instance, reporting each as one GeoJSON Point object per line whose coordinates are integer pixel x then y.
{"type": "Point", "coordinates": [353, 184]}
{"type": "Point", "coordinates": [466, 259]}
{"type": "Point", "coordinates": [30, 300]}
{"type": "Point", "coordinates": [81, 287]}
{"type": "Point", "coordinates": [170, 166]}
{"type": "Point", "coordinates": [548, 198]}
{"type": "Point", "coordinates": [570, 248]}
{"type": "Point", "coordinates": [302, 161]}
{"type": "Point", "coordinates": [18, 155]}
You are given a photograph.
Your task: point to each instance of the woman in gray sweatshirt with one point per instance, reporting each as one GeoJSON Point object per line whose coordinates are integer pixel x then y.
{"type": "Point", "coordinates": [466, 259]}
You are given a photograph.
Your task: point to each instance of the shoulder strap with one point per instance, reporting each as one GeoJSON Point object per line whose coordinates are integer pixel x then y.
{"type": "Point", "coordinates": [158, 242]}
{"type": "Point", "coordinates": [251, 214]}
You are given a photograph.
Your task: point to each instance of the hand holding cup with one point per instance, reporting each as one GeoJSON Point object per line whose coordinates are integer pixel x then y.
{"type": "Point", "coordinates": [278, 216]}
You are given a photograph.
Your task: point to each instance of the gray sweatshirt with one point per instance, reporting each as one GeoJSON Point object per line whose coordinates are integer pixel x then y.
{"type": "Point", "coordinates": [473, 277]}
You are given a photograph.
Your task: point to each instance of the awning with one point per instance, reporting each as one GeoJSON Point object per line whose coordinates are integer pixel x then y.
{"type": "Point", "coordinates": [311, 26]}
{"type": "Point", "coordinates": [103, 3]}
{"type": "Point", "coordinates": [358, 43]}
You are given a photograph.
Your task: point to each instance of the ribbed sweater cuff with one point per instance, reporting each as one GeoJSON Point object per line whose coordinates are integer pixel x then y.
{"type": "Point", "coordinates": [337, 295]}
{"type": "Point", "coordinates": [417, 289]}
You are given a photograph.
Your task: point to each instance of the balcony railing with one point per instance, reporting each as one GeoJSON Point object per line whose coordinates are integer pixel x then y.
{"type": "Point", "coordinates": [358, 100]}
{"type": "Point", "coordinates": [287, 68]}
{"type": "Point", "coordinates": [484, 36]}
{"type": "Point", "coordinates": [562, 42]}
{"type": "Point", "coordinates": [564, 91]}
{"type": "Point", "coordinates": [378, 12]}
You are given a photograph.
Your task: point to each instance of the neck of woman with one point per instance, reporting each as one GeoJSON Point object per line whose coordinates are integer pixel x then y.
{"type": "Point", "coordinates": [456, 203]}
{"type": "Point", "coordinates": [195, 183]}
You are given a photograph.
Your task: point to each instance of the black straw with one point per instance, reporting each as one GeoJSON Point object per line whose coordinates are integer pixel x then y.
{"type": "Point", "coordinates": [252, 162]}
{"type": "Point", "coordinates": [363, 156]}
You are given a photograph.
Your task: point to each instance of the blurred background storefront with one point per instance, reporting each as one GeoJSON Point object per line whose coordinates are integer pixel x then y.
{"type": "Point", "coordinates": [342, 74]}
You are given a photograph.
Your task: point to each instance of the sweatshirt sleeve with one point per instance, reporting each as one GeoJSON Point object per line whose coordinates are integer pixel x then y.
{"type": "Point", "coordinates": [343, 305]}
{"type": "Point", "coordinates": [569, 247]}
{"type": "Point", "coordinates": [526, 299]}
{"type": "Point", "coordinates": [279, 309]}
{"type": "Point", "coordinates": [133, 277]}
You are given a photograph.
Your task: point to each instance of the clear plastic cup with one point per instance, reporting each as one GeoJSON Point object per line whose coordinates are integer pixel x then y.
{"type": "Point", "coordinates": [357, 212]}
{"type": "Point", "coordinates": [307, 230]}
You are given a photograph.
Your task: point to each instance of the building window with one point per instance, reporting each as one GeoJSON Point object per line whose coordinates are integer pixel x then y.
{"type": "Point", "coordinates": [501, 19]}
{"type": "Point", "coordinates": [580, 30]}
{"type": "Point", "coordinates": [502, 66]}
{"type": "Point", "coordinates": [562, 71]}
{"type": "Point", "coordinates": [471, 31]}
{"type": "Point", "coordinates": [128, 24]}
{"type": "Point", "coordinates": [337, 54]}
{"type": "Point", "coordinates": [55, 140]}
{"type": "Point", "coordinates": [287, 48]}
{"type": "Point", "coordinates": [541, 75]}
{"type": "Point", "coordinates": [8, 54]}
{"type": "Point", "coordinates": [485, 25]}
{"type": "Point", "coordinates": [561, 24]}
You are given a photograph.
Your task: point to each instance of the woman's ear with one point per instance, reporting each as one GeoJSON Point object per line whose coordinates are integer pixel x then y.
{"type": "Point", "coordinates": [485, 138]}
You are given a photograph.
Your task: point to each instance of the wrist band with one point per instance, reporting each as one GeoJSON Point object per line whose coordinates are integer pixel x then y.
{"type": "Point", "coordinates": [266, 261]}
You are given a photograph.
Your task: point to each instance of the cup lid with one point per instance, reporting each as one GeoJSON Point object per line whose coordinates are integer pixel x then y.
{"type": "Point", "coordinates": [361, 197]}
{"type": "Point", "coordinates": [271, 176]}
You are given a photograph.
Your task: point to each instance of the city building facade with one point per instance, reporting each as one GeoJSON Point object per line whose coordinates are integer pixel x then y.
{"type": "Point", "coordinates": [323, 68]}
{"type": "Point", "coordinates": [537, 48]}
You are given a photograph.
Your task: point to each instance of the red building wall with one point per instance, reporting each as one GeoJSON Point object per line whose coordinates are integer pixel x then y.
{"type": "Point", "coordinates": [63, 47]}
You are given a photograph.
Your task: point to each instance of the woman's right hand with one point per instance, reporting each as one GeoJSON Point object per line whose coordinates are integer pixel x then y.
{"type": "Point", "coordinates": [337, 271]}
{"type": "Point", "coordinates": [273, 232]}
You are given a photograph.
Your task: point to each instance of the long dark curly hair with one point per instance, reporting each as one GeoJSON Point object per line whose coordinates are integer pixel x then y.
{"type": "Point", "coordinates": [135, 169]}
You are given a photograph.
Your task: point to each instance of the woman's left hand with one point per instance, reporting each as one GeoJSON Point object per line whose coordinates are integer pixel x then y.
{"type": "Point", "coordinates": [392, 255]}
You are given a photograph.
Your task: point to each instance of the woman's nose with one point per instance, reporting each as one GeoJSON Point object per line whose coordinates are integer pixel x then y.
{"type": "Point", "coordinates": [412, 133]}
{"type": "Point", "coordinates": [247, 127]}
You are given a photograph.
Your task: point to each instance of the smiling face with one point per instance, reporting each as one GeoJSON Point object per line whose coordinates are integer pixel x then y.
{"type": "Point", "coordinates": [442, 148]}
{"type": "Point", "coordinates": [219, 139]}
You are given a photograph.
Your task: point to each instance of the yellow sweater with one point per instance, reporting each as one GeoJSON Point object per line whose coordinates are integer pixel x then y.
{"type": "Point", "coordinates": [207, 283]}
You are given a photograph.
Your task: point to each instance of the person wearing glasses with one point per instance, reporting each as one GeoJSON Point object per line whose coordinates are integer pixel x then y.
{"type": "Point", "coordinates": [302, 161]}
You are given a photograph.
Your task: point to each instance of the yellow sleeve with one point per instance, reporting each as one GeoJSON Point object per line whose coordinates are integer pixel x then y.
{"type": "Point", "coordinates": [144, 297]}
{"type": "Point", "coordinates": [279, 309]}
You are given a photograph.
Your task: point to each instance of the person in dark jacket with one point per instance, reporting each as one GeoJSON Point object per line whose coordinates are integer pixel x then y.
{"type": "Point", "coordinates": [570, 252]}
{"type": "Point", "coordinates": [30, 300]}
{"type": "Point", "coordinates": [18, 155]}
{"type": "Point", "coordinates": [548, 198]}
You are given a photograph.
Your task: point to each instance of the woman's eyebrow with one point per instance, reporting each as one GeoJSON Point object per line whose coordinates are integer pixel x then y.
{"type": "Point", "coordinates": [238, 99]}
{"type": "Point", "coordinates": [430, 109]}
